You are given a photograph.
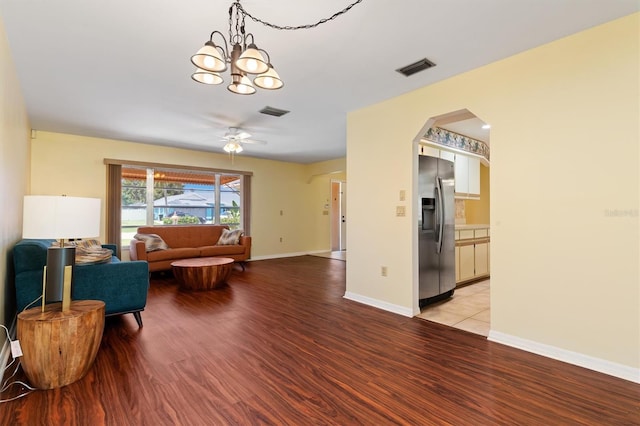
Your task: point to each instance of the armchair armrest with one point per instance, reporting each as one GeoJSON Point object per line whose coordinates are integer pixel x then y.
{"type": "Point", "coordinates": [123, 286]}
{"type": "Point", "coordinates": [137, 250]}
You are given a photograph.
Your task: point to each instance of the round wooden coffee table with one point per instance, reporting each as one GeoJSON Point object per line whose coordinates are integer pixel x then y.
{"type": "Point", "coordinates": [202, 273]}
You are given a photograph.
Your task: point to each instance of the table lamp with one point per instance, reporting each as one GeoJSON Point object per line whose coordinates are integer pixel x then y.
{"type": "Point", "coordinates": [60, 218]}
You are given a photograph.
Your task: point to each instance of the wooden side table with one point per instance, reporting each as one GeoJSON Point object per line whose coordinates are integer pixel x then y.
{"type": "Point", "coordinates": [60, 347]}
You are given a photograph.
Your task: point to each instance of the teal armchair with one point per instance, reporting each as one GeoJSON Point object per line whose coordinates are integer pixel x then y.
{"type": "Point", "coordinates": [122, 286]}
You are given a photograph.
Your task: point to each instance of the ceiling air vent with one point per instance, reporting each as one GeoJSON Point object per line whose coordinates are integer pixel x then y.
{"type": "Point", "coordinates": [411, 69]}
{"type": "Point", "coordinates": [273, 111]}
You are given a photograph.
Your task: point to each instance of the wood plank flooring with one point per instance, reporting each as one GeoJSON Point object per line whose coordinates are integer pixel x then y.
{"type": "Point", "coordinates": [280, 345]}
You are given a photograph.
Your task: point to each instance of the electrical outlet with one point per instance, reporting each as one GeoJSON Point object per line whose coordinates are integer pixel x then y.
{"type": "Point", "coordinates": [16, 350]}
{"type": "Point", "coordinates": [383, 271]}
{"type": "Point", "coordinates": [400, 211]}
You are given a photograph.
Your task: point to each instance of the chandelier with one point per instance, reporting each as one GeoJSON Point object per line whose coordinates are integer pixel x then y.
{"type": "Point", "coordinates": [244, 58]}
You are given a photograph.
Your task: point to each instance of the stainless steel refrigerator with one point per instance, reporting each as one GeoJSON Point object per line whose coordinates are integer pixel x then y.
{"type": "Point", "coordinates": [436, 227]}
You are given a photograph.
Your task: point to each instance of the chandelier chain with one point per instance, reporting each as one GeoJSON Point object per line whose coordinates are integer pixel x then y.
{"type": "Point", "coordinates": [299, 27]}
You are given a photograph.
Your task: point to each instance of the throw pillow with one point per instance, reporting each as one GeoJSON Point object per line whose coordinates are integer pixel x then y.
{"type": "Point", "coordinates": [87, 243]}
{"type": "Point", "coordinates": [88, 251]}
{"type": "Point", "coordinates": [230, 237]}
{"type": "Point", "coordinates": [152, 242]}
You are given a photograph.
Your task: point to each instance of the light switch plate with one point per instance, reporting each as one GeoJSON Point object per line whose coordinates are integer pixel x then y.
{"type": "Point", "coordinates": [403, 195]}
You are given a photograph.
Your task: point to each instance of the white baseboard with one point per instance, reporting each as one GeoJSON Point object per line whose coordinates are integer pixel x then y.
{"type": "Point", "coordinates": [5, 354]}
{"type": "Point", "coordinates": [385, 306]}
{"type": "Point", "coordinates": [575, 358]}
{"type": "Point", "coordinates": [280, 255]}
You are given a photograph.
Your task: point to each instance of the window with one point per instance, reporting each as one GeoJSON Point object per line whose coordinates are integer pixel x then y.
{"type": "Point", "coordinates": [164, 195]}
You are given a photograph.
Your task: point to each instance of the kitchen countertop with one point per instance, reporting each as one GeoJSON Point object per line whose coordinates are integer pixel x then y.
{"type": "Point", "coordinates": [458, 227]}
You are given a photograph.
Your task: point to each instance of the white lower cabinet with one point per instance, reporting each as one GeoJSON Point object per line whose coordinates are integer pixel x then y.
{"type": "Point", "coordinates": [481, 253]}
{"type": "Point", "coordinates": [457, 263]}
{"type": "Point", "coordinates": [467, 262]}
{"type": "Point", "coordinates": [472, 254]}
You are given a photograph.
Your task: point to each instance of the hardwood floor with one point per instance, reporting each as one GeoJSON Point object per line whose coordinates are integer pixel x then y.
{"type": "Point", "coordinates": [280, 345]}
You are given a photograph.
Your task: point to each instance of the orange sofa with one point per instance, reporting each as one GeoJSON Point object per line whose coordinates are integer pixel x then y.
{"type": "Point", "coordinates": [185, 242]}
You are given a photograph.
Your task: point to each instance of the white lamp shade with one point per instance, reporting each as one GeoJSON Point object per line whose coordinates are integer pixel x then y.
{"type": "Point", "coordinates": [209, 58]}
{"type": "Point", "coordinates": [251, 61]}
{"type": "Point", "coordinates": [270, 80]}
{"type": "Point", "coordinates": [60, 217]}
{"type": "Point", "coordinates": [242, 86]}
{"type": "Point", "coordinates": [206, 77]}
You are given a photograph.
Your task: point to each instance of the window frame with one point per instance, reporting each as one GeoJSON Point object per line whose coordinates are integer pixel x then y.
{"type": "Point", "coordinates": [114, 192]}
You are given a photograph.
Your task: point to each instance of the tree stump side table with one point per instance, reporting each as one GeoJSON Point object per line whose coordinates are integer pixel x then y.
{"type": "Point", "coordinates": [60, 347]}
{"type": "Point", "coordinates": [202, 273]}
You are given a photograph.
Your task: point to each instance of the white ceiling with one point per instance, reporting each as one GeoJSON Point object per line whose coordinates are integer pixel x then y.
{"type": "Point", "coordinates": [120, 69]}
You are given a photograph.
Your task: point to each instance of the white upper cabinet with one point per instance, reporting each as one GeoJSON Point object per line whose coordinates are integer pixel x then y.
{"type": "Point", "coordinates": [467, 171]}
{"type": "Point", "coordinates": [462, 174]}
{"type": "Point", "coordinates": [467, 177]}
{"type": "Point", "coordinates": [474, 176]}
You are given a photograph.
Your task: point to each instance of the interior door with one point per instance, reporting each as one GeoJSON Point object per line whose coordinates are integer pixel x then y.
{"type": "Point", "coordinates": [343, 215]}
{"type": "Point", "coordinates": [335, 216]}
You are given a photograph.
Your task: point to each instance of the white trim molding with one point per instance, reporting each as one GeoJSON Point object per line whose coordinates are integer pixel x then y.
{"type": "Point", "coordinates": [282, 255]}
{"type": "Point", "coordinates": [5, 353]}
{"type": "Point", "coordinates": [385, 306]}
{"type": "Point", "coordinates": [575, 358]}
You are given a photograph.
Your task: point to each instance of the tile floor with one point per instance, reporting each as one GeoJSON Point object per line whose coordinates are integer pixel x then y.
{"type": "Point", "coordinates": [468, 309]}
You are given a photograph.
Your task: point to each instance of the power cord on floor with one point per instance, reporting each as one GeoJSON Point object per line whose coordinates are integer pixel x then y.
{"type": "Point", "coordinates": [6, 385]}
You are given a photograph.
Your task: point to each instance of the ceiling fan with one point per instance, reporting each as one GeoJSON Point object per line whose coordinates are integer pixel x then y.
{"type": "Point", "coordinates": [234, 139]}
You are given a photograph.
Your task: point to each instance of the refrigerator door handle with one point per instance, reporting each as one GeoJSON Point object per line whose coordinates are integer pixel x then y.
{"type": "Point", "coordinates": [439, 215]}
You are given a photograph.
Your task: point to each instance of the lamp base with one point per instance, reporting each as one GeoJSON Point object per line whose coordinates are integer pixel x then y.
{"type": "Point", "coordinates": [59, 261]}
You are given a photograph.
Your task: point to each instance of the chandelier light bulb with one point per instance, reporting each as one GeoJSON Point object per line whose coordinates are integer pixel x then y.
{"type": "Point", "coordinates": [209, 62]}
{"type": "Point", "coordinates": [252, 65]}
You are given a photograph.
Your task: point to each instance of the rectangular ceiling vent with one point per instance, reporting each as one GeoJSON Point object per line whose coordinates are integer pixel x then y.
{"type": "Point", "coordinates": [411, 69]}
{"type": "Point", "coordinates": [273, 111]}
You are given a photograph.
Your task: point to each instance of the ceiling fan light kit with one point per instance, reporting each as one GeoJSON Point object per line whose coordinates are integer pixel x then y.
{"type": "Point", "coordinates": [244, 58]}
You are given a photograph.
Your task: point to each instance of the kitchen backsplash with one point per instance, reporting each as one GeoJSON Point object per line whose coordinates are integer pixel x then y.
{"type": "Point", "coordinates": [461, 219]}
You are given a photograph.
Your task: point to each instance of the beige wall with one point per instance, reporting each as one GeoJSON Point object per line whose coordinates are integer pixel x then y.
{"type": "Point", "coordinates": [14, 172]}
{"type": "Point", "coordinates": [73, 165]}
{"type": "Point", "coordinates": [477, 211]}
{"type": "Point", "coordinates": [564, 160]}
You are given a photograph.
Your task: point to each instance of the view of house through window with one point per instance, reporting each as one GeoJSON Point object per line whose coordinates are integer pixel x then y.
{"type": "Point", "coordinates": [155, 196]}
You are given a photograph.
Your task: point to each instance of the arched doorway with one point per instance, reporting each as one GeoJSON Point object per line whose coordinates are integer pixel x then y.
{"type": "Point", "coordinates": [463, 138]}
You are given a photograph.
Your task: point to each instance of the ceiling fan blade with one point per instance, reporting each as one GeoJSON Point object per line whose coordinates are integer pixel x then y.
{"type": "Point", "coordinates": [253, 141]}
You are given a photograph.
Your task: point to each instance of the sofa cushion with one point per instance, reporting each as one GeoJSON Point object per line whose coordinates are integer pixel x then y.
{"type": "Point", "coordinates": [170, 254]}
{"type": "Point", "coordinates": [229, 237]}
{"type": "Point", "coordinates": [152, 242]}
{"type": "Point", "coordinates": [213, 251]}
